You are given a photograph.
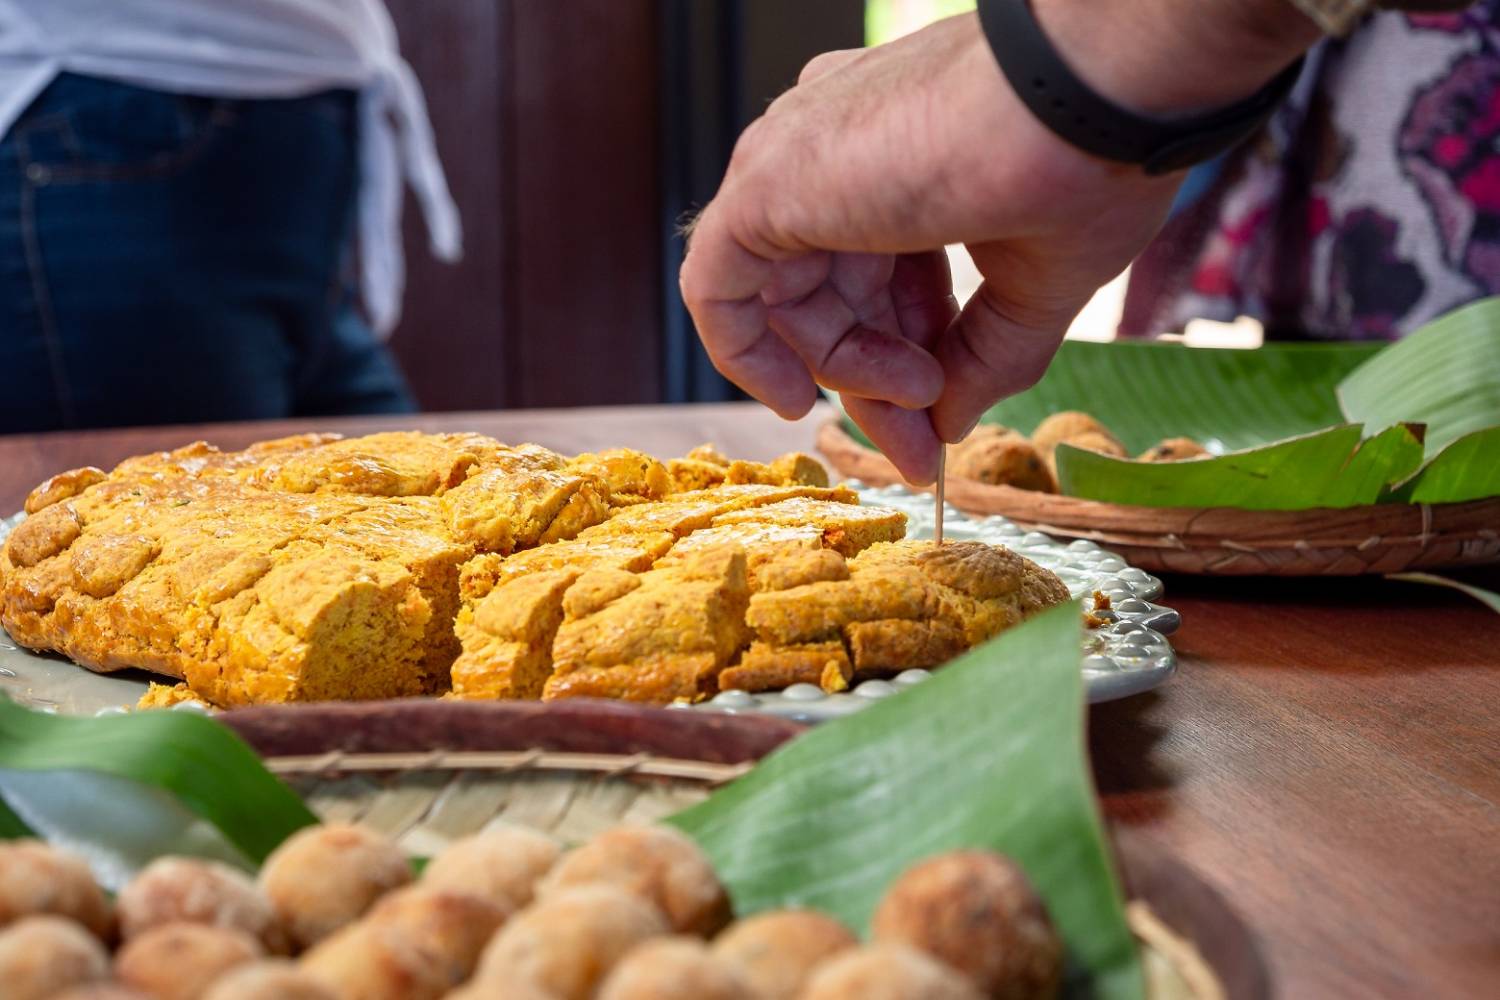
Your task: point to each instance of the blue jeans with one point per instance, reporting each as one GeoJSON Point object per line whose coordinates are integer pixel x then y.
{"type": "Point", "coordinates": [173, 259]}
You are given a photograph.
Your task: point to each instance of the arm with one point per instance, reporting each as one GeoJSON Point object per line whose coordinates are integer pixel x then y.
{"type": "Point", "coordinates": [820, 260]}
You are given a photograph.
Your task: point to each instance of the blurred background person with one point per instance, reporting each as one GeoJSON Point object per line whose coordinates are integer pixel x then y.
{"type": "Point", "coordinates": [1369, 205]}
{"type": "Point", "coordinates": [183, 185]}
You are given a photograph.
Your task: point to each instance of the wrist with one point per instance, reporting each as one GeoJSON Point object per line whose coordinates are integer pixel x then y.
{"type": "Point", "coordinates": [1168, 57]}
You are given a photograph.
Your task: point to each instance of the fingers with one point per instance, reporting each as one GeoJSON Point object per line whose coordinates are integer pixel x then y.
{"type": "Point", "coordinates": [905, 436]}
{"type": "Point", "coordinates": [827, 62]}
{"type": "Point", "coordinates": [721, 283]}
{"type": "Point", "coordinates": [921, 288]}
{"type": "Point", "coordinates": [848, 357]}
{"type": "Point", "coordinates": [845, 329]}
{"type": "Point", "coordinates": [987, 356]}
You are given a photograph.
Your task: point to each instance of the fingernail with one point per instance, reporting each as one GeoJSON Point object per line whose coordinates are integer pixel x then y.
{"type": "Point", "coordinates": [966, 433]}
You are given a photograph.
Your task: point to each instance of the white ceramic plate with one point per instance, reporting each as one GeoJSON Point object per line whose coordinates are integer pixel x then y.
{"type": "Point", "coordinates": [1127, 657]}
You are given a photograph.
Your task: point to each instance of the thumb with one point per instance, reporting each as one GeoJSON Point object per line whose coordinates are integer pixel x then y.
{"type": "Point", "coordinates": [996, 348]}
{"type": "Point", "coordinates": [827, 62]}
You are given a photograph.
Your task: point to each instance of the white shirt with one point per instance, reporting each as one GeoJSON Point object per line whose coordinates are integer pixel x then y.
{"type": "Point", "coordinates": [257, 49]}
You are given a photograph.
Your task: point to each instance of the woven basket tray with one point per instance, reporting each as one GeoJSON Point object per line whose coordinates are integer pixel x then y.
{"type": "Point", "coordinates": [1381, 538]}
{"type": "Point", "coordinates": [430, 772]}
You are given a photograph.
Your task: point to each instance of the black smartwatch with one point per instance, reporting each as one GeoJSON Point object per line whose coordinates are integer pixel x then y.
{"type": "Point", "coordinates": [1097, 125]}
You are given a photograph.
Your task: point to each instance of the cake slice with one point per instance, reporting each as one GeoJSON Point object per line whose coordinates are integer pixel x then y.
{"type": "Point", "coordinates": [764, 667]}
{"type": "Point", "coordinates": [847, 528]}
{"type": "Point", "coordinates": [659, 636]}
{"type": "Point", "coordinates": [507, 637]}
{"type": "Point", "coordinates": [905, 604]}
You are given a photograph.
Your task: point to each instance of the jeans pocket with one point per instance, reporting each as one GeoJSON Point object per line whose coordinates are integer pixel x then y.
{"type": "Point", "coordinates": [108, 131]}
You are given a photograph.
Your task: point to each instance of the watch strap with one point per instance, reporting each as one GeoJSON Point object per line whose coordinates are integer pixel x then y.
{"type": "Point", "coordinates": [1069, 107]}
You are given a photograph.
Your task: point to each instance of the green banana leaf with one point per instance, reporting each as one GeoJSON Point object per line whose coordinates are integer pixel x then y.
{"type": "Point", "coordinates": [987, 753]}
{"type": "Point", "coordinates": [1337, 467]}
{"type": "Point", "coordinates": [201, 764]}
{"type": "Point", "coordinates": [1144, 392]}
{"type": "Point", "coordinates": [11, 825]}
{"type": "Point", "coordinates": [1445, 375]}
{"type": "Point", "coordinates": [1467, 469]}
{"type": "Point", "coordinates": [1277, 417]}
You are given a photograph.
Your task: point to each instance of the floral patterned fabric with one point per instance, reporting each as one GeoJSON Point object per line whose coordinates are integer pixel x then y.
{"type": "Point", "coordinates": [1369, 204]}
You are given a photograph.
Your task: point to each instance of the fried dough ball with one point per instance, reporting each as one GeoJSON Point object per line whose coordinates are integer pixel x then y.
{"type": "Point", "coordinates": [325, 877]}
{"type": "Point", "coordinates": [1077, 429]}
{"type": "Point", "coordinates": [1101, 441]}
{"type": "Point", "coordinates": [100, 991]}
{"type": "Point", "coordinates": [657, 863]}
{"type": "Point", "coordinates": [502, 864]}
{"type": "Point", "coordinates": [1174, 450]}
{"type": "Point", "coordinates": [887, 972]}
{"type": "Point", "coordinates": [1069, 426]}
{"type": "Point", "coordinates": [43, 955]}
{"type": "Point", "coordinates": [448, 928]}
{"type": "Point", "coordinates": [181, 961]}
{"type": "Point", "coordinates": [36, 878]}
{"type": "Point", "coordinates": [567, 941]}
{"type": "Point", "coordinates": [778, 950]}
{"type": "Point", "coordinates": [367, 962]}
{"type": "Point", "coordinates": [976, 911]}
{"type": "Point", "coordinates": [500, 989]}
{"type": "Point", "coordinates": [193, 891]}
{"type": "Point", "coordinates": [675, 968]}
{"type": "Point", "coordinates": [272, 979]}
{"type": "Point", "coordinates": [1006, 459]}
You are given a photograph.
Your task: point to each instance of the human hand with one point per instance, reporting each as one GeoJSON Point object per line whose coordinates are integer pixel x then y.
{"type": "Point", "coordinates": [820, 260]}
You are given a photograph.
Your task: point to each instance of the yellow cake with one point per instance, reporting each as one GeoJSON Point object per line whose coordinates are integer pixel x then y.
{"type": "Point", "coordinates": [398, 564]}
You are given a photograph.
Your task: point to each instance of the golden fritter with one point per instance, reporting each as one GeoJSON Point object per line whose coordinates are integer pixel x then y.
{"type": "Point", "coordinates": [566, 943]}
{"type": "Point", "coordinates": [323, 878]}
{"type": "Point", "coordinates": [1006, 459]}
{"type": "Point", "coordinates": [502, 864]}
{"type": "Point", "coordinates": [1067, 426]}
{"type": "Point", "coordinates": [41, 956]}
{"type": "Point", "coordinates": [180, 961]}
{"type": "Point", "coordinates": [778, 950]}
{"type": "Point", "coordinates": [37, 879]}
{"type": "Point", "coordinates": [887, 972]}
{"type": "Point", "coordinates": [676, 968]}
{"type": "Point", "coordinates": [268, 979]}
{"type": "Point", "coordinates": [1176, 449]}
{"type": "Point", "coordinates": [197, 891]}
{"type": "Point", "coordinates": [977, 912]}
{"type": "Point", "coordinates": [658, 864]}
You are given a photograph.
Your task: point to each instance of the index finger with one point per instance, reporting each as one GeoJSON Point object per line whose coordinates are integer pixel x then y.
{"type": "Point", "coordinates": [721, 283]}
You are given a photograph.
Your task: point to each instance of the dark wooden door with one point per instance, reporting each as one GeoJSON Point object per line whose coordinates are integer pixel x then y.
{"type": "Point", "coordinates": [574, 134]}
{"type": "Point", "coordinates": [545, 115]}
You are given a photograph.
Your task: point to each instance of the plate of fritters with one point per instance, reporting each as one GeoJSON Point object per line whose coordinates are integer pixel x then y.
{"type": "Point", "coordinates": [317, 568]}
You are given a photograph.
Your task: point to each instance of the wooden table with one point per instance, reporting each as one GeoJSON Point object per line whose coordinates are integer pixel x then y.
{"type": "Point", "coordinates": [1328, 757]}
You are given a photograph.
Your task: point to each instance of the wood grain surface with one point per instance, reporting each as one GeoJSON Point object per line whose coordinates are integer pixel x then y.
{"type": "Point", "coordinates": [1328, 756]}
